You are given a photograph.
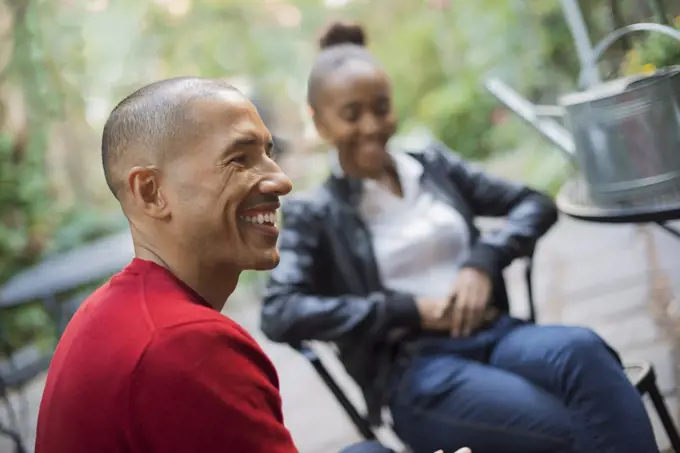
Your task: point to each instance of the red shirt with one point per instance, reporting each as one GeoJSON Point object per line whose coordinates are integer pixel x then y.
{"type": "Point", "coordinates": [147, 366]}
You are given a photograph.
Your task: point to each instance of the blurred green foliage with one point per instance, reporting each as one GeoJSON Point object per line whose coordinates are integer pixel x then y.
{"type": "Point", "coordinates": [439, 58]}
{"type": "Point", "coordinates": [654, 52]}
{"type": "Point", "coordinates": [69, 61]}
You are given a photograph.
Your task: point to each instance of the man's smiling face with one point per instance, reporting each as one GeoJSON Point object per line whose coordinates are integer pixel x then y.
{"type": "Point", "coordinates": [223, 188]}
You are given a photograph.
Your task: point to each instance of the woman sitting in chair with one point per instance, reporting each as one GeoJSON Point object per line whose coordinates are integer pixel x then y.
{"type": "Point", "coordinates": [385, 261]}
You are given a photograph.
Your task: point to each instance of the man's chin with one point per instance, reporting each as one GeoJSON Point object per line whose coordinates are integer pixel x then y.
{"type": "Point", "coordinates": [266, 266]}
{"type": "Point", "coordinates": [266, 262]}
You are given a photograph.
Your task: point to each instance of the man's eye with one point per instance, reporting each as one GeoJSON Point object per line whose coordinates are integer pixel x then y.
{"type": "Point", "coordinates": [240, 160]}
{"type": "Point", "coordinates": [274, 152]}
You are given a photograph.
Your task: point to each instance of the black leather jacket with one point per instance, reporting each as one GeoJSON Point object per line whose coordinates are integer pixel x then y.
{"type": "Point", "coordinates": [327, 286]}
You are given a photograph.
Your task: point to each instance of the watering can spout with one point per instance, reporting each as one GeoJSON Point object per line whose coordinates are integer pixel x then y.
{"type": "Point", "coordinates": [547, 127]}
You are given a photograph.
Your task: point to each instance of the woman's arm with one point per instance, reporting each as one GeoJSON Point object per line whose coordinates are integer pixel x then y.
{"type": "Point", "coordinates": [529, 213]}
{"type": "Point", "coordinates": [294, 309]}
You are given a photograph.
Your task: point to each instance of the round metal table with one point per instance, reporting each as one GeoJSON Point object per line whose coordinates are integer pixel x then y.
{"type": "Point", "coordinates": [574, 200]}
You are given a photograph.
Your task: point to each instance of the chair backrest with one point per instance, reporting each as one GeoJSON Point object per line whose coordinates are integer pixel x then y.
{"type": "Point", "coordinates": [360, 420]}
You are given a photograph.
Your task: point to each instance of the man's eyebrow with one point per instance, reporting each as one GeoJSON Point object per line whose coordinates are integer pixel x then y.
{"type": "Point", "coordinates": [248, 140]}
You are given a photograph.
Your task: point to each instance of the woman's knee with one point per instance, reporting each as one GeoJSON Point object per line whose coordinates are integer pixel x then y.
{"type": "Point", "coordinates": [546, 354]}
{"type": "Point", "coordinates": [561, 341]}
{"type": "Point", "coordinates": [577, 349]}
{"type": "Point", "coordinates": [583, 343]}
{"type": "Point", "coordinates": [582, 340]}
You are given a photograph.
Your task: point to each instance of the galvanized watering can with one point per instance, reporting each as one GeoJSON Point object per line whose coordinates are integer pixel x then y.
{"type": "Point", "coordinates": [625, 134]}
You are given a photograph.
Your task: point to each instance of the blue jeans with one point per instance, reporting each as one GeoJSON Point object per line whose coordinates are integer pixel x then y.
{"type": "Point", "coordinates": [522, 388]}
{"type": "Point", "coordinates": [370, 446]}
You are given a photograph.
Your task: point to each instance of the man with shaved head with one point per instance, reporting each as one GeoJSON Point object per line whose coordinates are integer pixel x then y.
{"type": "Point", "coordinates": [148, 364]}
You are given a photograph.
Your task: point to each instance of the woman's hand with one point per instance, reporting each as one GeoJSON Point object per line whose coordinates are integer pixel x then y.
{"type": "Point", "coordinates": [468, 300]}
{"type": "Point", "coordinates": [434, 314]}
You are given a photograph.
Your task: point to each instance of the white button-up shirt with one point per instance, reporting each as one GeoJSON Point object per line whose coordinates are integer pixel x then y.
{"type": "Point", "coordinates": [419, 242]}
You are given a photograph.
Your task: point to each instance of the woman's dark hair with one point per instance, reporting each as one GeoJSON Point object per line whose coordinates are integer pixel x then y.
{"type": "Point", "coordinates": [338, 33]}
{"type": "Point", "coordinates": [339, 43]}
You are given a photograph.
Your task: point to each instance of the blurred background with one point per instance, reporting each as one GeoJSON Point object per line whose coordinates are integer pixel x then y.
{"type": "Point", "coordinates": [64, 64]}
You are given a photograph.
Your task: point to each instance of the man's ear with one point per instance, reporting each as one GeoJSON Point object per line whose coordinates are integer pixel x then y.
{"type": "Point", "coordinates": [143, 183]}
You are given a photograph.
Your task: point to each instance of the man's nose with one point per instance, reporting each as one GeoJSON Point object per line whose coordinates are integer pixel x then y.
{"type": "Point", "coordinates": [276, 183]}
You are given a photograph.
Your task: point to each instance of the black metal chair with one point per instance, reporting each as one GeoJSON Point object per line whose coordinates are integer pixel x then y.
{"type": "Point", "coordinates": [20, 367]}
{"type": "Point", "coordinates": [16, 371]}
{"type": "Point", "coordinates": [641, 375]}
{"type": "Point", "coordinates": [49, 282]}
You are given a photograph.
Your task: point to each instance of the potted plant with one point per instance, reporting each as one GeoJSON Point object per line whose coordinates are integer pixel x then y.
{"type": "Point", "coordinates": [656, 51]}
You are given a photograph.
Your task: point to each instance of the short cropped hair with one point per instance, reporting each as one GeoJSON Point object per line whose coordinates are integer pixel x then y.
{"type": "Point", "coordinates": [145, 126]}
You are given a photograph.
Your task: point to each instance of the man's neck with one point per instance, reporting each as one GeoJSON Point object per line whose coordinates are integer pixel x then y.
{"type": "Point", "coordinates": [213, 283]}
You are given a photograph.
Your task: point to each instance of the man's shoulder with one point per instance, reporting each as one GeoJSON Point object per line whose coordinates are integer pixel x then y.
{"type": "Point", "coordinates": [207, 337]}
{"type": "Point", "coordinates": [209, 327]}
{"type": "Point", "coordinates": [114, 306]}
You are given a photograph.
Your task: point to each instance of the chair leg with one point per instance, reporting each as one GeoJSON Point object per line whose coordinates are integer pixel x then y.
{"type": "Point", "coordinates": [359, 422]}
{"type": "Point", "coordinates": [665, 416]}
{"type": "Point", "coordinates": [528, 277]}
{"type": "Point", "coordinates": [15, 437]}
{"type": "Point", "coordinates": [13, 431]}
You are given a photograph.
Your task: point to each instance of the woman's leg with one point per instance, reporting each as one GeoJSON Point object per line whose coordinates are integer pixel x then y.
{"type": "Point", "coordinates": [576, 365]}
{"type": "Point", "coordinates": [369, 446]}
{"type": "Point", "coordinates": [446, 402]}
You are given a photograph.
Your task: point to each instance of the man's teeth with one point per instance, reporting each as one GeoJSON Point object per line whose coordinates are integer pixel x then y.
{"type": "Point", "coordinates": [268, 217]}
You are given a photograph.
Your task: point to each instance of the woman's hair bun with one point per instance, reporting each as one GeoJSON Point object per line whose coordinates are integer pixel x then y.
{"type": "Point", "coordinates": [338, 33]}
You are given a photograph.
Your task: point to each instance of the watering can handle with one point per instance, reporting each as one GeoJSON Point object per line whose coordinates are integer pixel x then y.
{"type": "Point", "coordinates": [614, 36]}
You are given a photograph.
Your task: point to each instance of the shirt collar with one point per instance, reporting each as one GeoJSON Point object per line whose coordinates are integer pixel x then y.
{"type": "Point", "coordinates": [408, 168]}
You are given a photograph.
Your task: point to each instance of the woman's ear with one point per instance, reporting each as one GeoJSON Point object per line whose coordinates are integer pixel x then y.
{"type": "Point", "coordinates": [320, 125]}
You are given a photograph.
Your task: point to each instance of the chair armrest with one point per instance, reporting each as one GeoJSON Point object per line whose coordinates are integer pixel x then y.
{"type": "Point", "coordinates": [307, 351]}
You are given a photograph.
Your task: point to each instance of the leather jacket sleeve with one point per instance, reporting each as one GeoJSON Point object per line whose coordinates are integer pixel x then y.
{"type": "Point", "coordinates": [529, 214]}
{"type": "Point", "coordinates": [295, 307]}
